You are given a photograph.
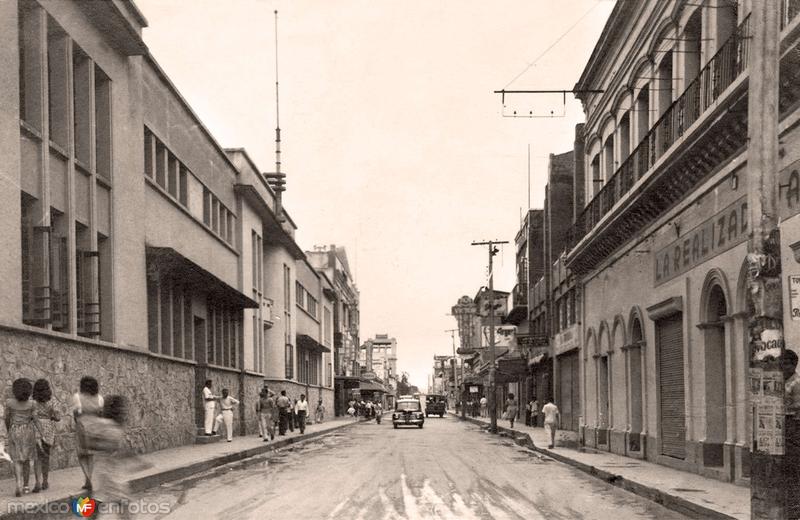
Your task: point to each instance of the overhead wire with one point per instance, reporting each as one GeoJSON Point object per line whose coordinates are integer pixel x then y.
{"type": "Point", "coordinates": [550, 47]}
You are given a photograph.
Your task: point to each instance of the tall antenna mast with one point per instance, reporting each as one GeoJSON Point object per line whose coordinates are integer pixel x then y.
{"type": "Point", "coordinates": [276, 179]}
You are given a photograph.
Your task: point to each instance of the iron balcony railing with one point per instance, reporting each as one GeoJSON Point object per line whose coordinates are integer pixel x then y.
{"type": "Point", "coordinates": [712, 80]}
{"type": "Point", "coordinates": [789, 10]}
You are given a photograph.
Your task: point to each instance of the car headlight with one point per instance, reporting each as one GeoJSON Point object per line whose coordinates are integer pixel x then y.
{"type": "Point", "coordinates": [394, 416]}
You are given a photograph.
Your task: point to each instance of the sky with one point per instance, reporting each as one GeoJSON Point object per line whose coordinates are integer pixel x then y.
{"type": "Point", "coordinates": [393, 142]}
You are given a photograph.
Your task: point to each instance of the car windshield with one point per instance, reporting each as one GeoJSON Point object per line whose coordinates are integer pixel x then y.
{"type": "Point", "coordinates": [408, 406]}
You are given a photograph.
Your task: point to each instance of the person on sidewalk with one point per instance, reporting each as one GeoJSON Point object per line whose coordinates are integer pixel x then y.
{"type": "Point", "coordinates": [226, 404]}
{"type": "Point", "coordinates": [265, 410]}
{"type": "Point", "coordinates": [533, 407]}
{"type": "Point", "coordinates": [551, 419]}
{"type": "Point", "coordinates": [283, 405]}
{"type": "Point", "coordinates": [209, 406]}
{"type": "Point", "coordinates": [46, 418]}
{"type": "Point", "coordinates": [292, 415]}
{"type": "Point", "coordinates": [301, 410]}
{"type": "Point", "coordinates": [319, 413]}
{"type": "Point", "coordinates": [20, 425]}
{"type": "Point", "coordinates": [511, 409]}
{"type": "Point", "coordinates": [87, 406]}
{"type": "Point", "coordinates": [484, 405]}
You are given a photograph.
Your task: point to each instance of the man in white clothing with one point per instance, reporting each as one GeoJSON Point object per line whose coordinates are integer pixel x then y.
{"type": "Point", "coordinates": [226, 404]}
{"type": "Point", "coordinates": [484, 403]}
{"type": "Point", "coordinates": [551, 419]}
{"type": "Point", "coordinates": [209, 404]}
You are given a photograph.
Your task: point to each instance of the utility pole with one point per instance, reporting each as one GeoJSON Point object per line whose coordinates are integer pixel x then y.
{"type": "Point", "coordinates": [774, 488]}
{"type": "Point", "coordinates": [455, 379]}
{"type": "Point", "coordinates": [492, 369]}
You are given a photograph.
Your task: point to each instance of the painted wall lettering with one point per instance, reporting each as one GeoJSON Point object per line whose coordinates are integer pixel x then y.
{"type": "Point", "coordinates": [716, 235]}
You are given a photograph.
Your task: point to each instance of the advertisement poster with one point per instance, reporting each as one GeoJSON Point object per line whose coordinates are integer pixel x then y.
{"type": "Point", "coordinates": [794, 296]}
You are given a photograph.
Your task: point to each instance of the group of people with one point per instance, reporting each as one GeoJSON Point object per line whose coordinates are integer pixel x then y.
{"type": "Point", "coordinates": [552, 417]}
{"type": "Point", "coordinates": [281, 412]}
{"type": "Point", "coordinates": [30, 421]}
{"type": "Point", "coordinates": [364, 408]}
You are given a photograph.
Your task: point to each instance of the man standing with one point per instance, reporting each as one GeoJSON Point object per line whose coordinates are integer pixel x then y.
{"type": "Point", "coordinates": [283, 404]}
{"type": "Point", "coordinates": [226, 404]}
{"type": "Point", "coordinates": [551, 419]}
{"type": "Point", "coordinates": [301, 409]}
{"type": "Point", "coordinates": [484, 404]}
{"type": "Point", "coordinates": [265, 408]}
{"type": "Point", "coordinates": [209, 404]}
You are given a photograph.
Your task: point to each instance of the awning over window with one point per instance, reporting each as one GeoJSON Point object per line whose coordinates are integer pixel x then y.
{"type": "Point", "coordinates": [535, 360]}
{"type": "Point", "coordinates": [369, 386]}
{"type": "Point", "coordinates": [165, 261]}
{"type": "Point", "coordinates": [310, 344]}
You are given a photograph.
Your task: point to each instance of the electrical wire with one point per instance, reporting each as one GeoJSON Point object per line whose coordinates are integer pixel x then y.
{"type": "Point", "coordinates": [550, 47]}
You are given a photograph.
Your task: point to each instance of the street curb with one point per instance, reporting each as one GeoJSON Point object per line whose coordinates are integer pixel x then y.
{"type": "Point", "coordinates": [156, 479]}
{"type": "Point", "coordinates": [672, 502]}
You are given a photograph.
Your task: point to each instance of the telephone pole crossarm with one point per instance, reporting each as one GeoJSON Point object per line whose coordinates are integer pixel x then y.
{"type": "Point", "coordinates": [492, 369]}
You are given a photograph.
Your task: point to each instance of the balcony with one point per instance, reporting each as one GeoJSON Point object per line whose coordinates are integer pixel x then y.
{"type": "Point", "coordinates": [666, 147]}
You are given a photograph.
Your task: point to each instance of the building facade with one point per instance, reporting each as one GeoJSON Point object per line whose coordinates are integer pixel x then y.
{"type": "Point", "coordinates": [136, 248]}
{"type": "Point", "coordinates": [660, 241]}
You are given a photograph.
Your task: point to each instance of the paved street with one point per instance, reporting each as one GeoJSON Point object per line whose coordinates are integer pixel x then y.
{"type": "Point", "coordinates": [448, 469]}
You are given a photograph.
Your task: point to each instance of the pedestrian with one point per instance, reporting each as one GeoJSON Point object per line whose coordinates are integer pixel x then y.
{"type": "Point", "coordinates": [226, 404]}
{"type": "Point", "coordinates": [301, 410]}
{"type": "Point", "coordinates": [209, 406]}
{"type": "Point", "coordinates": [292, 415]}
{"type": "Point", "coordinates": [484, 403]}
{"type": "Point", "coordinates": [46, 417]}
{"type": "Point", "coordinates": [511, 409]}
{"type": "Point", "coordinates": [319, 413]}
{"type": "Point", "coordinates": [265, 410]}
{"type": "Point", "coordinates": [551, 419]}
{"type": "Point", "coordinates": [115, 463]}
{"type": "Point", "coordinates": [368, 409]}
{"type": "Point", "coordinates": [20, 425]}
{"type": "Point", "coordinates": [352, 411]}
{"type": "Point", "coordinates": [475, 408]}
{"type": "Point", "coordinates": [283, 405]}
{"type": "Point", "coordinates": [87, 405]}
{"type": "Point", "coordinates": [534, 406]}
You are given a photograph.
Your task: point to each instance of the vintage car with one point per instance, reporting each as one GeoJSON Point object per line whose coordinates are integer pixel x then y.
{"type": "Point", "coordinates": [435, 405]}
{"type": "Point", "coordinates": [408, 412]}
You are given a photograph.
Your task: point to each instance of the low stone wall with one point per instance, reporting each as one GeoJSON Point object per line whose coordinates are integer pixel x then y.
{"type": "Point", "coordinates": [160, 391]}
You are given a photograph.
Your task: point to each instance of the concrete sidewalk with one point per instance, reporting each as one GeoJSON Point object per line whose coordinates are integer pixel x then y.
{"type": "Point", "coordinates": [687, 493]}
{"type": "Point", "coordinates": [168, 465]}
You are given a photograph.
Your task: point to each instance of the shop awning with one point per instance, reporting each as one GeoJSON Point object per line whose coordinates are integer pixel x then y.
{"type": "Point", "coordinates": [166, 261]}
{"type": "Point", "coordinates": [370, 386]}
{"type": "Point", "coordinates": [310, 344]}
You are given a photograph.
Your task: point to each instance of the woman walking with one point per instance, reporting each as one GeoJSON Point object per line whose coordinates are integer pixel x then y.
{"type": "Point", "coordinates": [21, 431]}
{"type": "Point", "coordinates": [87, 405]}
{"type": "Point", "coordinates": [511, 409]}
{"type": "Point", "coordinates": [46, 419]}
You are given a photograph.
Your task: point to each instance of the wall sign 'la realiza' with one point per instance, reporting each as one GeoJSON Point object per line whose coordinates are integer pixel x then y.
{"type": "Point", "coordinates": [716, 235]}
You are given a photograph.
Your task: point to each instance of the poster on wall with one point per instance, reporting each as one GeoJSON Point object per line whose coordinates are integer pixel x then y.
{"type": "Point", "coordinates": [768, 410]}
{"type": "Point", "coordinates": [794, 296]}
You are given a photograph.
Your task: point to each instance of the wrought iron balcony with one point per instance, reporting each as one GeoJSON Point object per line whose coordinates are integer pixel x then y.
{"type": "Point", "coordinates": [718, 74]}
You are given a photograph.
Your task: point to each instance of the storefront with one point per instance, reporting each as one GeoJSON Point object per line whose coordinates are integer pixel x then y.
{"type": "Point", "coordinates": [566, 346]}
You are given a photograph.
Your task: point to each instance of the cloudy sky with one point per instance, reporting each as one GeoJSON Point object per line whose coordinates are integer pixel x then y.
{"type": "Point", "coordinates": [394, 144]}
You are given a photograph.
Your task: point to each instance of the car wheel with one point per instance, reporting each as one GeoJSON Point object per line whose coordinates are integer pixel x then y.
{"type": "Point", "coordinates": [395, 426]}
{"type": "Point", "coordinates": [441, 415]}
{"type": "Point", "coordinates": [426, 415]}
{"type": "Point", "coordinates": [420, 426]}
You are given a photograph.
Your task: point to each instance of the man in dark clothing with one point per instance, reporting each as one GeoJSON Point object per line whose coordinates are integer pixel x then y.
{"type": "Point", "coordinates": [283, 404]}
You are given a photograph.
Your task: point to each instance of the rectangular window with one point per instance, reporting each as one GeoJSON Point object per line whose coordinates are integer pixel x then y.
{"type": "Point", "coordinates": [102, 125]}
{"type": "Point", "coordinates": [59, 275]}
{"type": "Point", "coordinates": [82, 71]}
{"type": "Point", "coordinates": [153, 308]}
{"type": "Point", "coordinates": [31, 27]}
{"type": "Point", "coordinates": [214, 214]}
{"type": "Point", "coordinates": [161, 164]}
{"type": "Point", "coordinates": [166, 317]}
{"type": "Point", "coordinates": [188, 326]}
{"type": "Point", "coordinates": [289, 362]}
{"type": "Point", "coordinates": [177, 322]}
{"type": "Point", "coordinates": [183, 188]}
{"type": "Point", "coordinates": [149, 153]}
{"type": "Point", "coordinates": [299, 294]}
{"type": "Point", "coordinates": [206, 207]}
{"type": "Point", "coordinates": [312, 306]}
{"type": "Point", "coordinates": [172, 174]}
{"type": "Point", "coordinates": [57, 80]}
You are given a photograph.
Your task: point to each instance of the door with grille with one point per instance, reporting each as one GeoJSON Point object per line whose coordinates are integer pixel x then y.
{"type": "Point", "coordinates": [669, 341]}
